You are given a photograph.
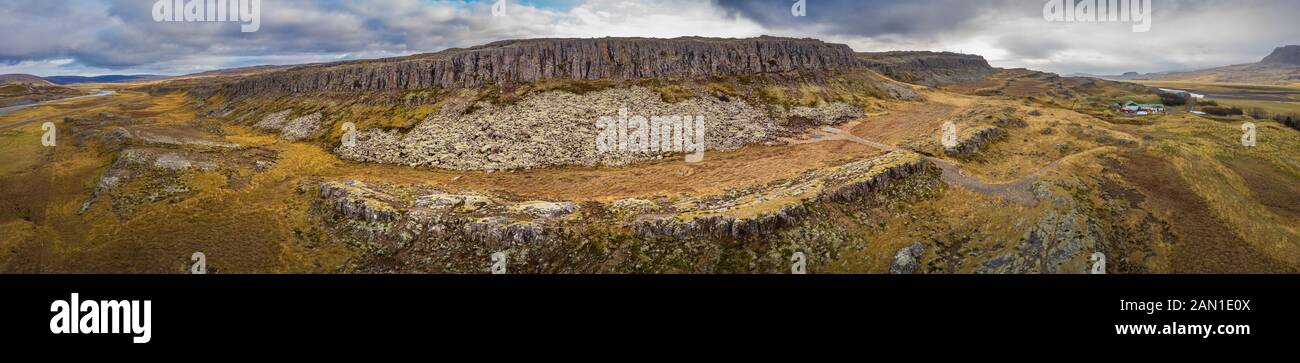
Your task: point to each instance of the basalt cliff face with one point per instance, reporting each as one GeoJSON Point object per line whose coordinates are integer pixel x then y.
{"type": "Point", "coordinates": [523, 104]}
{"type": "Point", "coordinates": [517, 61]}
{"type": "Point", "coordinates": [928, 68]}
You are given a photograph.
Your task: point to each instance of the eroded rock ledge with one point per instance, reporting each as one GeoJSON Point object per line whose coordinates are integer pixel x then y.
{"type": "Point", "coordinates": [757, 211]}
{"type": "Point", "coordinates": [398, 215]}
{"type": "Point", "coordinates": [392, 217]}
{"type": "Point", "coordinates": [972, 139]}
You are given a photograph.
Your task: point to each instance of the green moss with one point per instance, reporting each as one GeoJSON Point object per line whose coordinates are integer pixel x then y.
{"type": "Point", "coordinates": [674, 93]}
{"type": "Point", "coordinates": [576, 87]}
{"type": "Point", "coordinates": [723, 91]}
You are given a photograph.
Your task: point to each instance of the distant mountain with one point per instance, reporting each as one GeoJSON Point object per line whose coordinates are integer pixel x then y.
{"type": "Point", "coordinates": [1281, 67]}
{"type": "Point", "coordinates": [98, 79]}
{"type": "Point", "coordinates": [1284, 55]}
{"type": "Point", "coordinates": [1130, 75]}
{"type": "Point", "coordinates": [23, 79]}
{"type": "Point", "coordinates": [1127, 76]}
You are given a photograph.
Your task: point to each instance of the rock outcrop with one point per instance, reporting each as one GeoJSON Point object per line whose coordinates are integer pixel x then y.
{"type": "Point", "coordinates": [758, 211]}
{"type": "Point", "coordinates": [907, 260]}
{"type": "Point", "coordinates": [401, 214]}
{"type": "Point", "coordinates": [516, 61]}
{"type": "Point", "coordinates": [928, 68]}
{"type": "Point", "coordinates": [832, 114]}
{"type": "Point", "coordinates": [386, 215]}
{"type": "Point", "coordinates": [1059, 241]}
{"type": "Point", "coordinates": [972, 139]}
{"type": "Point", "coordinates": [291, 129]}
{"type": "Point", "coordinates": [408, 228]}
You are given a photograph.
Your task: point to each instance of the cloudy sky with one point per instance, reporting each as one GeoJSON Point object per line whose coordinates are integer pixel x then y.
{"type": "Point", "coordinates": [94, 37]}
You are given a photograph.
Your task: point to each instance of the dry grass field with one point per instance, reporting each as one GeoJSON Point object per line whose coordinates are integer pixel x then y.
{"type": "Point", "coordinates": [1175, 194]}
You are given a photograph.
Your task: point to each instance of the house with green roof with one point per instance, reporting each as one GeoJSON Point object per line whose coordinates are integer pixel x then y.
{"type": "Point", "coordinates": [1134, 107]}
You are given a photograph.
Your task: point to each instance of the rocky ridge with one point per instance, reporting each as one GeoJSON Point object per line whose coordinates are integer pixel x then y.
{"type": "Point", "coordinates": [388, 219]}
{"type": "Point", "coordinates": [974, 138]}
{"type": "Point", "coordinates": [928, 68]}
{"type": "Point", "coordinates": [521, 61]}
{"type": "Point", "coordinates": [391, 216]}
{"type": "Point", "coordinates": [757, 211]}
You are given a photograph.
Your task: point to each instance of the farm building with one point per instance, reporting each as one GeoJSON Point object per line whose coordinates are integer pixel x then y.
{"type": "Point", "coordinates": [1140, 108]}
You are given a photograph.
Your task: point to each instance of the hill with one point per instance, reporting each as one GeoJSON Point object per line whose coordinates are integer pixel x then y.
{"type": "Point", "coordinates": [23, 79]}
{"type": "Point", "coordinates": [1282, 67]}
{"type": "Point", "coordinates": [113, 78]}
{"type": "Point", "coordinates": [22, 89]}
{"type": "Point", "coordinates": [1284, 55]}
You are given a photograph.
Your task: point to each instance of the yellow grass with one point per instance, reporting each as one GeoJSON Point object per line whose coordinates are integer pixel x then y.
{"type": "Point", "coordinates": [1200, 149]}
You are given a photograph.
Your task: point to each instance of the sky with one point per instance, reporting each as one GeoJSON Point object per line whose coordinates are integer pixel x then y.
{"type": "Point", "coordinates": [96, 37]}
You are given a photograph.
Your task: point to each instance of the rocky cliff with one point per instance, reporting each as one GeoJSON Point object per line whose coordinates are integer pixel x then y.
{"type": "Point", "coordinates": [578, 59]}
{"type": "Point", "coordinates": [928, 68]}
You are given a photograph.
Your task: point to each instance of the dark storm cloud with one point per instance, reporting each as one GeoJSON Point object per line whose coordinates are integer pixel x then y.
{"type": "Point", "coordinates": [864, 18]}
{"type": "Point", "coordinates": [1031, 46]}
{"type": "Point", "coordinates": [36, 29]}
{"type": "Point", "coordinates": [118, 34]}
